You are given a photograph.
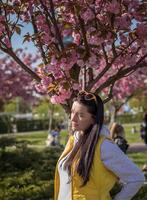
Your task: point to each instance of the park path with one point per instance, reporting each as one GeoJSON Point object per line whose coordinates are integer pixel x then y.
{"type": "Point", "coordinates": [137, 147]}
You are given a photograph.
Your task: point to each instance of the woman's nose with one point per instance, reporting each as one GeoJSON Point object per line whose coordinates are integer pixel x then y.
{"type": "Point", "coordinates": [73, 117]}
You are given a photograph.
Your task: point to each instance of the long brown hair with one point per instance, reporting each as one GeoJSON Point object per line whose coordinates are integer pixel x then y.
{"type": "Point", "coordinates": [85, 147]}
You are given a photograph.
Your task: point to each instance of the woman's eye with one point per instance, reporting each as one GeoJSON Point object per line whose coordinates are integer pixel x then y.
{"type": "Point", "coordinates": [80, 115]}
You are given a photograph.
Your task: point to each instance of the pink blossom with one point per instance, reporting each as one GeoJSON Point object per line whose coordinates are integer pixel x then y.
{"type": "Point", "coordinates": [141, 31]}
{"type": "Point", "coordinates": [94, 39]}
{"type": "Point", "coordinates": [133, 5]}
{"type": "Point", "coordinates": [55, 99]}
{"type": "Point", "coordinates": [54, 60]}
{"type": "Point", "coordinates": [87, 15]}
{"type": "Point", "coordinates": [2, 29]}
{"type": "Point", "coordinates": [66, 32]}
{"type": "Point", "coordinates": [60, 99]}
{"type": "Point", "coordinates": [97, 2]}
{"type": "Point", "coordinates": [46, 81]}
{"type": "Point", "coordinates": [81, 63]}
{"type": "Point", "coordinates": [41, 88]}
{"type": "Point", "coordinates": [2, 18]}
{"type": "Point", "coordinates": [46, 38]}
{"type": "Point", "coordinates": [123, 39]}
{"type": "Point", "coordinates": [25, 17]}
{"type": "Point", "coordinates": [124, 21]}
{"type": "Point", "coordinates": [76, 86]}
{"type": "Point", "coordinates": [114, 7]}
{"type": "Point", "coordinates": [102, 17]}
{"type": "Point", "coordinates": [7, 42]}
{"type": "Point", "coordinates": [76, 37]}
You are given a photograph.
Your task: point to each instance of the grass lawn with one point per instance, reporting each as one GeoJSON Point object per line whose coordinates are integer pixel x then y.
{"type": "Point", "coordinates": [37, 140]}
{"type": "Point", "coordinates": [132, 138]}
{"type": "Point", "coordinates": [34, 138]}
{"type": "Point", "coordinates": [39, 137]}
{"type": "Point", "coordinates": [138, 158]}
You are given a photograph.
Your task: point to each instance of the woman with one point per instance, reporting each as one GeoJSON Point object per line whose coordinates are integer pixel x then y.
{"type": "Point", "coordinates": [117, 130]}
{"type": "Point", "coordinates": [91, 163]}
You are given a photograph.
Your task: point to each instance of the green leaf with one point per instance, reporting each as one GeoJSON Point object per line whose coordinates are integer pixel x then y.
{"type": "Point", "coordinates": [18, 30]}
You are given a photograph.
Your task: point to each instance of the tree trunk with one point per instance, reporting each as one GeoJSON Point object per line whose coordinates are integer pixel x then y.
{"type": "Point", "coordinates": [113, 114]}
{"type": "Point", "coordinates": [51, 114]}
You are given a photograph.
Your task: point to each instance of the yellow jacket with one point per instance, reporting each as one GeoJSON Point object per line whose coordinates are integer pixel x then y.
{"type": "Point", "coordinates": [100, 182]}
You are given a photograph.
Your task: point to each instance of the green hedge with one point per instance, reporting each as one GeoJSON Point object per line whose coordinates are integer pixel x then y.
{"type": "Point", "coordinates": [128, 118]}
{"type": "Point", "coordinates": [27, 174]}
{"type": "Point", "coordinates": [5, 124]}
{"type": "Point", "coordinates": [23, 125]}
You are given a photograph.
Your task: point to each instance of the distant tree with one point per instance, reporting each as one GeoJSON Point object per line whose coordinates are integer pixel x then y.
{"type": "Point", "coordinates": [15, 82]}
{"type": "Point", "coordinates": [127, 88]}
{"type": "Point", "coordinates": [139, 101]}
{"type": "Point", "coordinates": [17, 105]}
{"type": "Point", "coordinates": [46, 110]}
{"type": "Point", "coordinates": [41, 109]}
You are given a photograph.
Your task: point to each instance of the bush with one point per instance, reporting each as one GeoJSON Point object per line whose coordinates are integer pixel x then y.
{"type": "Point", "coordinates": [141, 194]}
{"type": "Point", "coordinates": [5, 124]}
{"type": "Point", "coordinates": [129, 118]}
{"type": "Point", "coordinates": [23, 125]}
{"type": "Point", "coordinates": [26, 174]}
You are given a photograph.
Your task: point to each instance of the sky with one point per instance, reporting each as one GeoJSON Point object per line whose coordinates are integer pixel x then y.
{"type": "Point", "coordinates": [17, 42]}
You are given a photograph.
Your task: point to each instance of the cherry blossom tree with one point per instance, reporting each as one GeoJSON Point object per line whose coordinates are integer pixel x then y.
{"type": "Point", "coordinates": [84, 44]}
{"type": "Point", "coordinates": [15, 82]}
{"type": "Point", "coordinates": [127, 88]}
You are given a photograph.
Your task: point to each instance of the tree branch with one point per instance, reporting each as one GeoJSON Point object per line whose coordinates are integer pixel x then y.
{"type": "Point", "coordinates": [58, 35]}
{"type": "Point", "coordinates": [108, 66]}
{"type": "Point", "coordinates": [39, 43]}
{"type": "Point", "coordinates": [48, 20]}
{"type": "Point", "coordinates": [105, 54]}
{"type": "Point", "coordinates": [98, 77]}
{"type": "Point", "coordinates": [121, 73]}
{"type": "Point", "coordinates": [22, 65]}
{"type": "Point", "coordinates": [110, 94]}
{"type": "Point", "coordinates": [81, 21]}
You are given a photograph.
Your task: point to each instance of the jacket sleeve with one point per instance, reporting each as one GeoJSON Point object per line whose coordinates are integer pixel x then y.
{"type": "Point", "coordinates": [128, 173]}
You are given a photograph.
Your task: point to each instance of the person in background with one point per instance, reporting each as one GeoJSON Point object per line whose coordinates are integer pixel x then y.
{"type": "Point", "coordinates": [117, 130]}
{"type": "Point", "coordinates": [91, 162]}
{"type": "Point", "coordinates": [143, 129]}
{"type": "Point", "coordinates": [117, 134]}
{"type": "Point", "coordinates": [133, 130]}
{"type": "Point", "coordinates": [55, 133]}
{"type": "Point", "coordinates": [53, 138]}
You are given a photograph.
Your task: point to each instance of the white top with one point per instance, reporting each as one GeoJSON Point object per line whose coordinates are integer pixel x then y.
{"type": "Point", "coordinates": [64, 191]}
{"type": "Point", "coordinates": [115, 160]}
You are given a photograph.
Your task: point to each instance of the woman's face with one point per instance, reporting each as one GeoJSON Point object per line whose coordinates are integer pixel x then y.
{"type": "Point", "coordinates": [81, 119]}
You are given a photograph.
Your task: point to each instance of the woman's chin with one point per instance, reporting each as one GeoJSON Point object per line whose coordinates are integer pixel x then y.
{"type": "Point", "coordinates": [75, 128]}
